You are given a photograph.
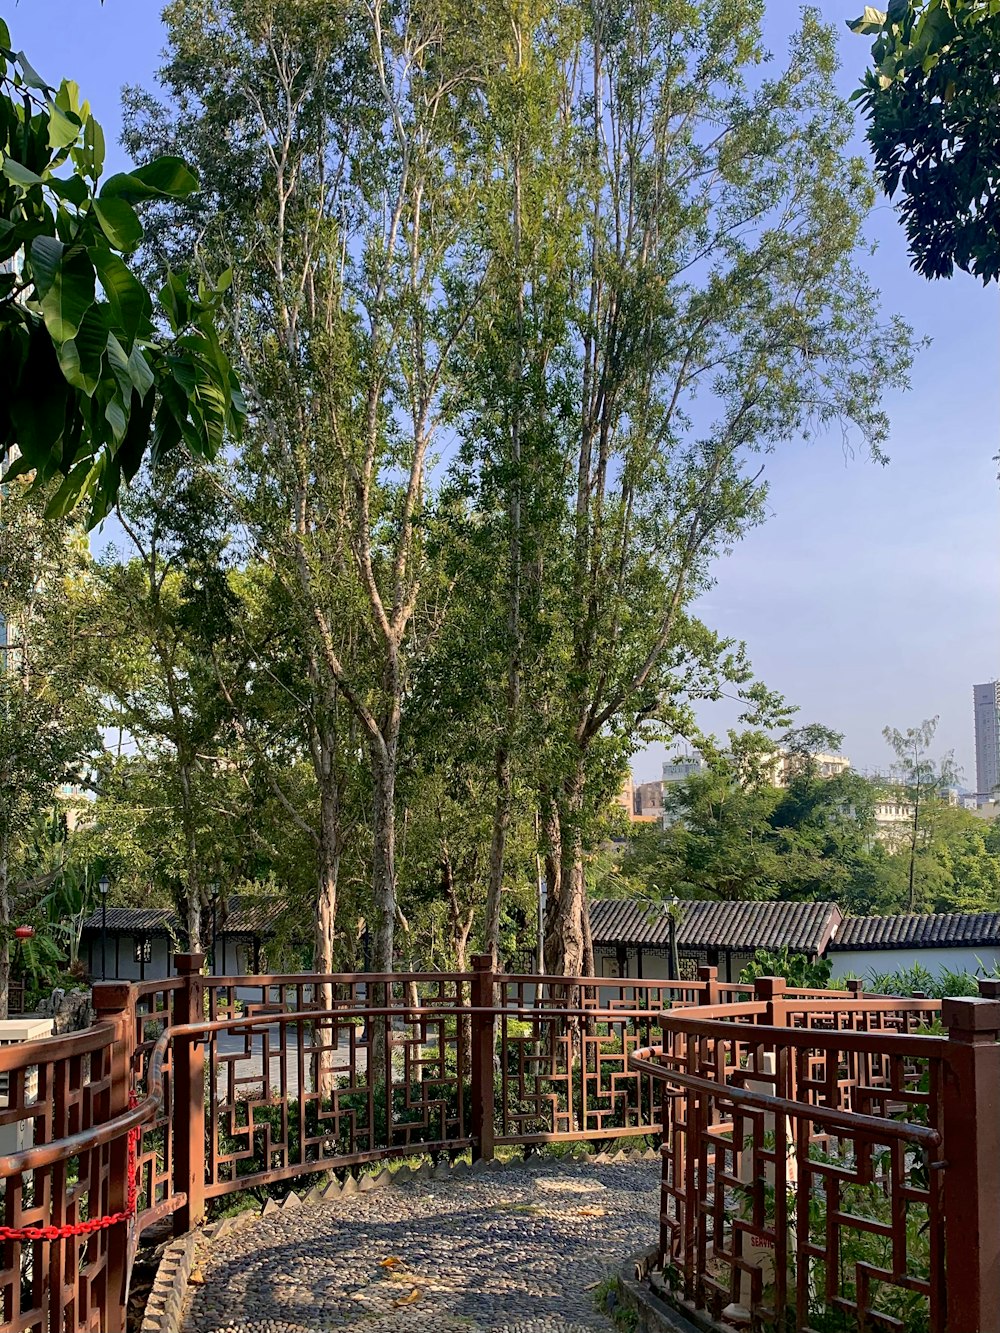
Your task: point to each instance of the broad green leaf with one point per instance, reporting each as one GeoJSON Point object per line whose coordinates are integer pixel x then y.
{"type": "Point", "coordinates": [175, 301]}
{"type": "Point", "coordinates": [68, 97]}
{"type": "Point", "coordinates": [63, 129]}
{"type": "Point", "coordinates": [70, 296]}
{"type": "Point", "coordinates": [166, 178]}
{"type": "Point", "coordinates": [115, 416]}
{"type": "Point", "coordinates": [30, 75]}
{"type": "Point", "coordinates": [81, 357]}
{"type": "Point", "coordinates": [129, 300]}
{"type": "Point", "coordinates": [18, 174]}
{"type": "Point", "coordinates": [72, 188]}
{"type": "Point", "coordinates": [119, 223]}
{"type": "Point", "coordinates": [72, 489]}
{"type": "Point", "coordinates": [138, 369]}
{"type": "Point", "coordinates": [168, 175]}
{"type": "Point", "coordinates": [140, 419]}
{"type": "Point", "coordinates": [46, 256]}
{"type": "Point", "coordinates": [4, 35]}
{"type": "Point", "coordinates": [870, 22]}
{"type": "Point", "coordinates": [91, 156]}
{"type": "Point", "coordinates": [38, 400]}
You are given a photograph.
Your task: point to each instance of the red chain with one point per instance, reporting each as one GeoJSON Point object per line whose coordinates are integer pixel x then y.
{"type": "Point", "coordinates": [93, 1223]}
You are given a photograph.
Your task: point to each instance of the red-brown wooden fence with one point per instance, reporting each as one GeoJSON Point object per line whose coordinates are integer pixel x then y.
{"type": "Point", "coordinates": [246, 1082]}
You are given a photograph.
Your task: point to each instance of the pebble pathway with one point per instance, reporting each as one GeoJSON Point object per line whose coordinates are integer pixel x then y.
{"type": "Point", "coordinates": [513, 1251]}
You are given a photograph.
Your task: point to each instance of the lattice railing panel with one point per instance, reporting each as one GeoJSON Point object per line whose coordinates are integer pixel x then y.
{"type": "Point", "coordinates": [58, 1283]}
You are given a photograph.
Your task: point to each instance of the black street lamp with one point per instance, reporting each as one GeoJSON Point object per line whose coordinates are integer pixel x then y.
{"type": "Point", "coordinates": [213, 893]}
{"type": "Point", "coordinates": [675, 962]}
{"type": "Point", "coordinates": [104, 884]}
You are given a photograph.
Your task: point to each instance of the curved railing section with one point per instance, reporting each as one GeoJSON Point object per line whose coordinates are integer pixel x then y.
{"type": "Point", "coordinates": [821, 1155]}
{"type": "Point", "coordinates": [195, 1087]}
{"type": "Point", "coordinates": [823, 1152]}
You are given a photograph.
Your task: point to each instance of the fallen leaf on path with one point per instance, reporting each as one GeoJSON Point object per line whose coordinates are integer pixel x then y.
{"type": "Point", "coordinates": [592, 1211]}
{"type": "Point", "coordinates": [393, 1261]}
{"type": "Point", "coordinates": [197, 1278]}
{"type": "Point", "coordinates": [408, 1300]}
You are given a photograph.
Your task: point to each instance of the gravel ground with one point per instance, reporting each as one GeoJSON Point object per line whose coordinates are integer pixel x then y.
{"type": "Point", "coordinates": [512, 1251]}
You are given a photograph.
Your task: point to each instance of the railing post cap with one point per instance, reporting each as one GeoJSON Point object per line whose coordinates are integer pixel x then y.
{"type": "Point", "coordinates": [971, 1014]}
{"type": "Point", "coordinates": [989, 988]}
{"type": "Point", "coordinates": [111, 997]}
{"type": "Point", "coordinates": [855, 984]}
{"type": "Point", "coordinates": [768, 987]}
{"type": "Point", "coordinates": [707, 972]}
{"type": "Point", "coordinates": [188, 963]}
{"type": "Point", "coordinates": [482, 962]}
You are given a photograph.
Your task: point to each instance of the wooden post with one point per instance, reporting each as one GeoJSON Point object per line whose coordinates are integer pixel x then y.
{"type": "Point", "coordinates": [856, 986]}
{"type": "Point", "coordinates": [971, 1149]}
{"type": "Point", "coordinates": [770, 990]}
{"type": "Point", "coordinates": [188, 1111]}
{"type": "Point", "coordinates": [710, 975]}
{"type": "Point", "coordinates": [114, 1005]}
{"type": "Point", "coordinates": [482, 1058]}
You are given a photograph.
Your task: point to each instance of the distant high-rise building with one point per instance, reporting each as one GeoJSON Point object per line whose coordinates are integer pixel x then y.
{"type": "Point", "coordinates": [986, 701]}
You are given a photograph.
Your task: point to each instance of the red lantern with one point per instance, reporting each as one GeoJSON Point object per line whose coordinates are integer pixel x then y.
{"type": "Point", "coordinates": [23, 932]}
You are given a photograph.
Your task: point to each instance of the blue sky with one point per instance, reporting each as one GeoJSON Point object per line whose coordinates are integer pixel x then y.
{"type": "Point", "coordinates": [872, 595]}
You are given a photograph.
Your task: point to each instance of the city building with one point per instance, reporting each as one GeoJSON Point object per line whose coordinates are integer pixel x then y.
{"type": "Point", "coordinates": [681, 769]}
{"type": "Point", "coordinates": [986, 706]}
{"type": "Point", "coordinates": [647, 801]}
{"type": "Point", "coordinates": [784, 766]}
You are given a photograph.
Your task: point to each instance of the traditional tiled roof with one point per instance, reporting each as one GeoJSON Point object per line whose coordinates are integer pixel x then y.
{"type": "Point", "coordinates": [930, 930]}
{"type": "Point", "coordinates": [252, 916]}
{"type": "Point", "coordinates": [245, 916]}
{"type": "Point", "coordinates": [136, 921]}
{"type": "Point", "coordinates": [803, 927]}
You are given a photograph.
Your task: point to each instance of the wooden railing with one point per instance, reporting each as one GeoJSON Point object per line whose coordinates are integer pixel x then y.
{"type": "Point", "coordinates": [196, 1087]}
{"type": "Point", "coordinates": [829, 1163]}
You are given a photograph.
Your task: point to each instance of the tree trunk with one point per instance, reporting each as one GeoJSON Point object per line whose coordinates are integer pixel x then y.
{"type": "Point", "coordinates": [498, 844]}
{"type": "Point", "coordinates": [384, 861]}
{"type": "Point", "coordinates": [566, 952]}
{"type": "Point", "coordinates": [328, 866]}
{"type": "Point", "coordinates": [4, 926]}
{"type": "Point", "coordinates": [552, 838]}
{"type": "Point", "coordinates": [383, 905]}
{"type": "Point", "coordinates": [193, 920]}
{"type": "Point", "coordinates": [193, 904]}
{"type": "Point", "coordinates": [326, 912]}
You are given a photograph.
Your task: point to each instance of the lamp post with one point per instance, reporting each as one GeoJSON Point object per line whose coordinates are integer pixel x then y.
{"type": "Point", "coordinates": [213, 892]}
{"type": "Point", "coordinates": [675, 962]}
{"type": "Point", "coordinates": [104, 884]}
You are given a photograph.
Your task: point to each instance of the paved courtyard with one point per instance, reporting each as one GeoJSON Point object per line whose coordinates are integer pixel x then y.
{"type": "Point", "coordinates": [518, 1250]}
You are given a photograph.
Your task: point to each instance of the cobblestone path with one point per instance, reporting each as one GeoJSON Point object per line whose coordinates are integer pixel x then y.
{"type": "Point", "coordinates": [519, 1250]}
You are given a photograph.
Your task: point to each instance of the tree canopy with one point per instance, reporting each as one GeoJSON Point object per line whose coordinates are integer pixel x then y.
{"type": "Point", "coordinates": [95, 371]}
{"type": "Point", "coordinates": [933, 107]}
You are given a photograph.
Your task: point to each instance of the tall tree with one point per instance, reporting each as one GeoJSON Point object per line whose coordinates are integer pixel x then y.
{"type": "Point", "coordinates": [47, 721]}
{"type": "Point", "coordinates": [713, 310]}
{"type": "Point", "coordinates": [921, 778]}
{"type": "Point", "coordinates": [150, 629]}
{"type": "Point", "coordinates": [342, 206]}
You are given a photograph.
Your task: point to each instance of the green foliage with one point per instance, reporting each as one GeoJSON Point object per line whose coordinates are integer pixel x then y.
{"type": "Point", "coordinates": [797, 968]}
{"type": "Point", "coordinates": [933, 108]}
{"type": "Point", "coordinates": [90, 377]}
{"type": "Point", "coordinates": [907, 981]}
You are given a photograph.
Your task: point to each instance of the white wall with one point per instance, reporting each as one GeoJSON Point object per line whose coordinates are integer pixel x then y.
{"type": "Point", "coordinates": [863, 961]}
